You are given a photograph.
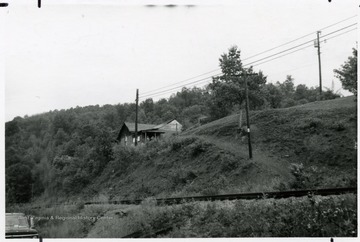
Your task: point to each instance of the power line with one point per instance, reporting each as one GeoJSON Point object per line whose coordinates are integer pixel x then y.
{"type": "Point", "coordinates": [294, 69]}
{"type": "Point", "coordinates": [152, 93]}
{"type": "Point", "coordinates": [299, 38]}
{"type": "Point", "coordinates": [339, 30]}
{"type": "Point", "coordinates": [251, 56]}
{"type": "Point", "coordinates": [302, 48]}
{"type": "Point", "coordinates": [340, 34]}
{"type": "Point", "coordinates": [177, 87]}
{"type": "Point", "coordinates": [171, 91]}
{"type": "Point", "coordinates": [324, 41]}
{"type": "Point", "coordinates": [280, 56]}
{"type": "Point", "coordinates": [202, 80]}
{"type": "Point", "coordinates": [310, 41]}
{"type": "Point", "coordinates": [182, 81]}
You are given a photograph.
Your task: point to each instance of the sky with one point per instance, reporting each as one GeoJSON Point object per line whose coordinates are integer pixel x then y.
{"type": "Point", "coordinates": [78, 53]}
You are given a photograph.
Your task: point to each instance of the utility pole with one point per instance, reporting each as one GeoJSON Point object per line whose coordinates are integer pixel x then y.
{"type": "Point", "coordinates": [317, 45]}
{"type": "Point", "coordinates": [247, 116]}
{"type": "Point", "coordinates": [136, 116]}
{"type": "Point", "coordinates": [247, 109]}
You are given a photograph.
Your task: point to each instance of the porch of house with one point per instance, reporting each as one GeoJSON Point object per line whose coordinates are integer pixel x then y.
{"type": "Point", "coordinates": [143, 137]}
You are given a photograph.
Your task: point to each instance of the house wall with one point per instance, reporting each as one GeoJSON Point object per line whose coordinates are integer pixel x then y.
{"type": "Point", "coordinates": [129, 138]}
{"type": "Point", "coordinates": [173, 126]}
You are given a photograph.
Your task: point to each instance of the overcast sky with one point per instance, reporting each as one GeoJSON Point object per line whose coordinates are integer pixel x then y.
{"type": "Point", "coordinates": [79, 53]}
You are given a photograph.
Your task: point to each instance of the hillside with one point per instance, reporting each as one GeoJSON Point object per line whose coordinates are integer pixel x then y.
{"type": "Point", "coordinates": [307, 146]}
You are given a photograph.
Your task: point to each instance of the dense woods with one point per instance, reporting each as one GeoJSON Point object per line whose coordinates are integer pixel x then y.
{"type": "Point", "coordinates": [59, 152]}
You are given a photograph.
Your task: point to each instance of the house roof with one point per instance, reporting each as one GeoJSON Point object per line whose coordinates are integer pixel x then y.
{"type": "Point", "coordinates": [141, 127]}
{"type": "Point", "coordinates": [163, 124]}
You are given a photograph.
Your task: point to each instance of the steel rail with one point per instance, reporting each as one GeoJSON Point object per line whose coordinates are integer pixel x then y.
{"type": "Point", "coordinates": [245, 196]}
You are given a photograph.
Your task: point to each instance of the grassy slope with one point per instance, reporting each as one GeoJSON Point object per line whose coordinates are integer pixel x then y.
{"type": "Point", "coordinates": [211, 159]}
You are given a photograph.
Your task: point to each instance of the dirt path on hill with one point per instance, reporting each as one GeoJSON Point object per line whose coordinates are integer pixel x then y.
{"type": "Point", "coordinates": [267, 163]}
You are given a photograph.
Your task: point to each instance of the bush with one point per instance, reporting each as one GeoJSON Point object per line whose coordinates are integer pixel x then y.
{"type": "Point", "coordinates": [339, 126]}
{"type": "Point", "coordinates": [198, 147]}
{"type": "Point", "coordinates": [228, 163]}
{"type": "Point", "coordinates": [179, 143]}
{"type": "Point", "coordinates": [300, 177]}
{"type": "Point", "coordinates": [314, 122]}
{"type": "Point", "coordinates": [124, 156]}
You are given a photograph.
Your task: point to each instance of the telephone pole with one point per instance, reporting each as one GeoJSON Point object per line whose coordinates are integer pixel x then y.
{"type": "Point", "coordinates": [247, 109]}
{"type": "Point", "coordinates": [317, 45]}
{"type": "Point", "coordinates": [136, 116]}
{"type": "Point", "coordinates": [247, 116]}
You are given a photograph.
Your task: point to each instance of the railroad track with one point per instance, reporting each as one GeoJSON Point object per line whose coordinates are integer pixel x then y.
{"type": "Point", "coordinates": [245, 196]}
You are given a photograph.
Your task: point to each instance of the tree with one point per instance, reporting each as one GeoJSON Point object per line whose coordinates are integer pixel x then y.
{"type": "Point", "coordinates": [148, 106]}
{"type": "Point", "coordinates": [301, 92]}
{"type": "Point", "coordinates": [18, 183]}
{"type": "Point", "coordinates": [347, 74]}
{"type": "Point", "coordinates": [273, 95]}
{"type": "Point", "coordinates": [228, 90]}
{"type": "Point", "coordinates": [287, 87]}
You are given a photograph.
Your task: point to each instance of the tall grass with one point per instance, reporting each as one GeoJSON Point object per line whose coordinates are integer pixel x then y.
{"type": "Point", "coordinates": [67, 221]}
{"type": "Point", "coordinates": [312, 216]}
{"type": "Point", "coordinates": [317, 216]}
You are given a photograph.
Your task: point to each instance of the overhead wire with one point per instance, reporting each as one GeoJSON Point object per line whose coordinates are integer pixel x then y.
{"type": "Point", "coordinates": [202, 80]}
{"type": "Point", "coordinates": [339, 30]}
{"type": "Point", "coordinates": [175, 88]}
{"type": "Point", "coordinates": [341, 21]}
{"type": "Point", "coordinates": [207, 80]}
{"type": "Point", "coordinates": [156, 92]}
{"type": "Point", "coordinates": [310, 41]}
{"type": "Point", "coordinates": [183, 81]}
{"type": "Point", "coordinates": [299, 38]}
{"type": "Point", "coordinates": [279, 56]}
{"type": "Point", "coordinates": [302, 48]}
{"type": "Point", "coordinates": [340, 34]}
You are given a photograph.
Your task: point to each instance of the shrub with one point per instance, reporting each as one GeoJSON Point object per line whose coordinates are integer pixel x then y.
{"type": "Point", "coordinates": [179, 143]}
{"type": "Point", "coordinates": [228, 163]}
{"type": "Point", "coordinates": [198, 147]}
{"type": "Point", "coordinates": [339, 126]}
{"type": "Point", "coordinates": [310, 123]}
{"type": "Point", "coordinates": [181, 177]}
{"type": "Point", "coordinates": [300, 177]}
{"type": "Point", "coordinates": [314, 122]}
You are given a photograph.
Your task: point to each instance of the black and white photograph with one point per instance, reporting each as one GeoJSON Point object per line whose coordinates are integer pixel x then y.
{"type": "Point", "coordinates": [179, 119]}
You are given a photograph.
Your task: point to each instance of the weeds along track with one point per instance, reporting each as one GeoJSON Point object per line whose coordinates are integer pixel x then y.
{"type": "Point", "coordinates": [247, 196]}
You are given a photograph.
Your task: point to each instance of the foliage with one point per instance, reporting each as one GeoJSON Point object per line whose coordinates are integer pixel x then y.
{"type": "Point", "coordinates": [347, 74]}
{"type": "Point", "coordinates": [312, 216]}
{"type": "Point", "coordinates": [300, 177]}
{"type": "Point", "coordinates": [18, 184]}
{"type": "Point", "coordinates": [228, 90]}
{"type": "Point", "coordinates": [64, 150]}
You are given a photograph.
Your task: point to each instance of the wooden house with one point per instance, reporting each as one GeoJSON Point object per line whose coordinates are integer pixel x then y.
{"type": "Point", "coordinates": [147, 132]}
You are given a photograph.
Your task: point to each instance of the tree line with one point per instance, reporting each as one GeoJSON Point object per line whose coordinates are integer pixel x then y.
{"type": "Point", "coordinates": [59, 153]}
